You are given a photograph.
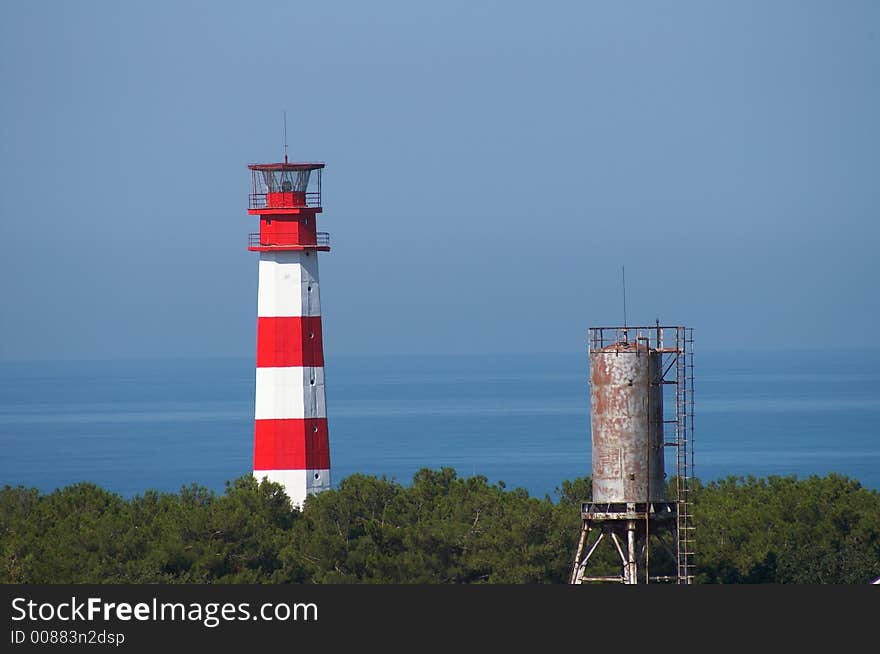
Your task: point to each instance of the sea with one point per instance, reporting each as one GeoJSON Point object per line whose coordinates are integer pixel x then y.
{"type": "Point", "coordinates": [135, 425]}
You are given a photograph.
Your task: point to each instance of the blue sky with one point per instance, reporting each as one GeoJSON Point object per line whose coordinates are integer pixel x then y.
{"type": "Point", "coordinates": [490, 167]}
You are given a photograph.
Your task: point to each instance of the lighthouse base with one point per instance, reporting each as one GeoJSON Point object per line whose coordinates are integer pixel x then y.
{"type": "Point", "coordinates": [298, 484]}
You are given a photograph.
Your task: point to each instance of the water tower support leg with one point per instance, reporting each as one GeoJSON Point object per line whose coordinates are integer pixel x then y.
{"type": "Point", "coordinates": [580, 564]}
{"type": "Point", "coordinates": [576, 566]}
{"type": "Point", "coordinates": [631, 572]}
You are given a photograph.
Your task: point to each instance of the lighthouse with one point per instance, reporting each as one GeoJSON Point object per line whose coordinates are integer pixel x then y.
{"type": "Point", "coordinates": [291, 443]}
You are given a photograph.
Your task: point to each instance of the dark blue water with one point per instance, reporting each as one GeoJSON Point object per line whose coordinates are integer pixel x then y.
{"type": "Point", "coordinates": [134, 425]}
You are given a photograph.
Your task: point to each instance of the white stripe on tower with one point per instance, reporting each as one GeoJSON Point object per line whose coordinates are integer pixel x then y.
{"type": "Point", "coordinates": [285, 393]}
{"type": "Point", "coordinates": [288, 284]}
{"type": "Point", "coordinates": [290, 436]}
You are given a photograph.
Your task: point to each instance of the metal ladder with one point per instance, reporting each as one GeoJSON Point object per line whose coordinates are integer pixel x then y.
{"type": "Point", "coordinates": [684, 453]}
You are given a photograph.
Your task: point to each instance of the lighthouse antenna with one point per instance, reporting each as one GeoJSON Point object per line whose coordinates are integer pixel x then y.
{"type": "Point", "coordinates": [285, 135]}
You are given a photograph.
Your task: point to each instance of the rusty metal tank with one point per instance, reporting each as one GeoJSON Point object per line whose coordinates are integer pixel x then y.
{"type": "Point", "coordinates": [626, 416]}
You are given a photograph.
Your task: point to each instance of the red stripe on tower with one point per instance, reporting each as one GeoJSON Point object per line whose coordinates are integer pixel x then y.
{"type": "Point", "coordinates": [289, 341]}
{"type": "Point", "coordinates": [291, 444]}
{"type": "Point", "coordinates": [294, 443]}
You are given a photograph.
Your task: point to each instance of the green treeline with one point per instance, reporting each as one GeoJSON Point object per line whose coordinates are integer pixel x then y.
{"type": "Point", "coordinates": [439, 529]}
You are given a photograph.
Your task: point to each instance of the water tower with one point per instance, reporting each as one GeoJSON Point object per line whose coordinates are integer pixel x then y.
{"type": "Point", "coordinates": [291, 444]}
{"type": "Point", "coordinates": [630, 370]}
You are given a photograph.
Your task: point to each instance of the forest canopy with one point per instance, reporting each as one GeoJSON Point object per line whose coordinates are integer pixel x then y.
{"type": "Point", "coordinates": [440, 528]}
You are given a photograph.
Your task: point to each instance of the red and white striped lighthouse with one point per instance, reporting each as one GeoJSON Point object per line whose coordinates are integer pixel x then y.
{"type": "Point", "coordinates": [291, 446]}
